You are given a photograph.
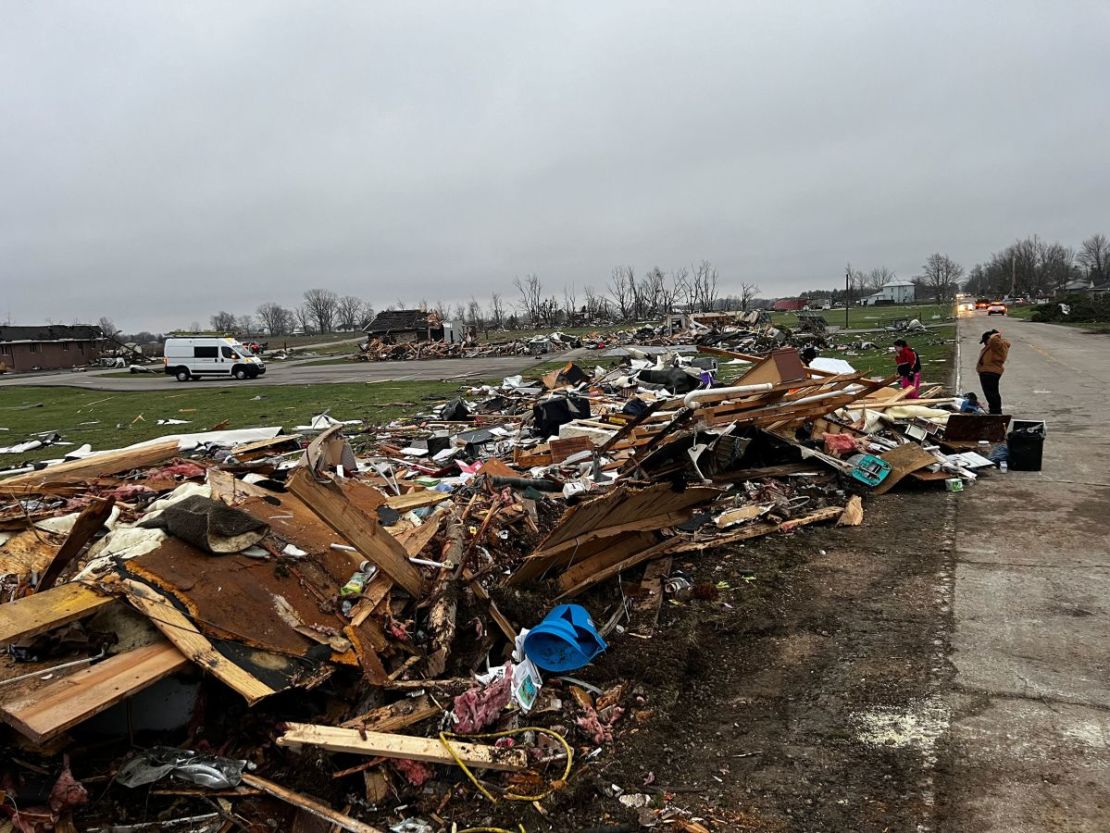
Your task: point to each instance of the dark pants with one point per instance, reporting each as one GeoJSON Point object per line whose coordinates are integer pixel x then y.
{"type": "Point", "coordinates": [989, 383]}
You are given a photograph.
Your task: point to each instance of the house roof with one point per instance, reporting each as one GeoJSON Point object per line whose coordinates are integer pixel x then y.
{"type": "Point", "coordinates": [51, 332]}
{"type": "Point", "coordinates": [402, 320]}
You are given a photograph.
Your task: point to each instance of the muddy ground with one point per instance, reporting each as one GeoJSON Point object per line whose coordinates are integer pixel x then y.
{"type": "Point", "coordinates": [759, 709]}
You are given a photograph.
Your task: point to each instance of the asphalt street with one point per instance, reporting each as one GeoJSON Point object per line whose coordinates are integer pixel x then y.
{"type": "Point", "coordinates": [1027, 747]}
{"type": "Point", "coordinates": [301, 372]}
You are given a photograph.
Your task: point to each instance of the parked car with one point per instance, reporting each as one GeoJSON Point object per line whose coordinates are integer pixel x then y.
{"type": "Point", "coordinates": [997, 308]}
{"type": "Point", "coordinates": [200, 356]}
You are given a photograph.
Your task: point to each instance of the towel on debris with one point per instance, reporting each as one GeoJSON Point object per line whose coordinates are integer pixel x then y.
{"type": "Point", "coordinates": [209, 524]}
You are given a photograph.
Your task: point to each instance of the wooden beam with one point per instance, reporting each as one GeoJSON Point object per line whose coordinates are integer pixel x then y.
{"type": "Point", "coordinates": [190, 642]}
{"type": "Point", "coordinates": [98, 465]}
{"type": "Point", "coordinates": [415, 500]}
{"type": "Point", "coordinates": [372, 542]}
{"type": "Point", "coordinates": [309, 805]}
{"type": "Point", "coordinates": [399, 715]}
{"type": "Point", "coordinates": [51, 710]}
{"type": "Point", "coordinates": [47, 610]}
{"type": "Point", "coordinates": [90, 520]}
{"type": "Point", "coordinates": [659, 549]}
{"type": "Point", "coordinates": [427, 750]}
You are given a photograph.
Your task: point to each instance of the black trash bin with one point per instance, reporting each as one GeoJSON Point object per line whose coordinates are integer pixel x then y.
{"type": "Point", "coordinates": [1025, 444]}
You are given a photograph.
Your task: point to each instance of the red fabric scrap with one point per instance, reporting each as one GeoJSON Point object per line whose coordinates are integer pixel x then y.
{"type": "Point", "coordinates": [67, 792]}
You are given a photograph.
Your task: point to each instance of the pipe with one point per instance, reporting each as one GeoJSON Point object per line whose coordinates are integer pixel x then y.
{"type": "Point", "coordinates": [694, 397]}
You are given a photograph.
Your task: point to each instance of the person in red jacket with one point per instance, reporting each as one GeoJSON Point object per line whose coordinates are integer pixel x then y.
{"type": "Point", "coordinates": [909, 367]}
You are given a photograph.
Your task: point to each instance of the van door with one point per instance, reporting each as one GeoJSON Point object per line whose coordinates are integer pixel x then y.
{"type": "Point", "coordinates": [205, 358]}
{"type": "Point", "coordinates": [228, 357]}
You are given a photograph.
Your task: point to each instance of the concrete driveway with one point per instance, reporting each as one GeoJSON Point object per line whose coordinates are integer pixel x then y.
{"type": "Point", "coordinates": [300, 373]}
{"type": "Point", "coordinates": [1028, 748]}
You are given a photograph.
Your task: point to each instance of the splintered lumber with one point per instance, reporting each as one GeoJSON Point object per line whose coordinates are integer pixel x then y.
{"type": "Point", "coordinates": [427, 750]}
{"type": "Point", "coordinates": [47, 610]}
{"type": "Point", "coordinates": [853, 512]}
{"type": "Point", "coordinates": [399, 715]}
{"type": "Point", "coordinates": [655, 551]}
{"type": "Point", "coordinates": [99, 465]}
{"type": "Point", "coordinates": [92, 517]}
{"type": "Point", "coordinates": [309, 805]}
{"type": "Point", "coordinates": [758, 530]}
{"type": "Point", "coordinates": [372, 542]}
{"type": "Point", "coordinates": [415, 500]}
{"type": "Point", "coordinates": [621, 511]}
{"type": "Point", "coordinates": [51, 710]}
{"type": "Point", "coordinates": [190, 642]}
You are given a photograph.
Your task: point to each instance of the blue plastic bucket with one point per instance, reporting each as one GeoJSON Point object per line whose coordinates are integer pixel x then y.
{"type": "Point", "coordinates": [565, 640]}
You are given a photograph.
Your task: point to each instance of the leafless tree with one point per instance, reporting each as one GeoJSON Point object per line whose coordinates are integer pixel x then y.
{"type": "Point", "coordinates": [274, 318]}
{"type": "Point", "coordinates": [596, 305]}
{"type": "Point", "coordinates": [622, 289]}
{"type": "Point", "coordinates": [440, 308]}
{"type": "Point", "coordinates": [107, 326]}
{"type": "Point", "coordinates": [570, 303]}
{"type": "Point", "coordinates": [304, 318]}
{"type": "Point", "coordinates": [680, 286]}
{"type": "Point", "coordinates": [496, 311]}
{"type": "Point", "coordinates": [322, 305]}
{"type": "Point", "coordinates": [1094, 257]}
{"type": "Point", "coordinates": [223, 322]}
{"type": "Point", "coordinates": [703, 286]}
{"type": "Point", "coordinates": [474, 312]}
{"type": "Point", "coordinates": [244, 324]}
{"type": "Point", "coordinates": [349, 313]}
{"type": "Point", "coordinates": [531, 296]}
{"type": "Point", "coordinates": [942, 275]}
{"type": "Point", "coordinates": [748, 291]}
{"type": "Point", "coordinates": [878, 278]}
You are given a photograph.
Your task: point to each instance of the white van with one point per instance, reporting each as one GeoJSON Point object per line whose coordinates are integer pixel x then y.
{"type": "Point", "coordinates": [201, 356]}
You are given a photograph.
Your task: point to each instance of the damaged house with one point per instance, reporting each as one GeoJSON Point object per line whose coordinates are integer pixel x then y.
{"type": "Point", "coordinates": [404, 325]}
{"type": "Point", "coordinates": [49, 347]}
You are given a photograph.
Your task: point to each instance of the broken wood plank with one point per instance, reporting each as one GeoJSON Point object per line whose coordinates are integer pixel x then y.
{"type": "Point", "coordinates": [49, 609]}
{"type": "Point", "coordinates": [659, 549]}
{"type": "Point", "coordinates": [372, 542]}
{"type": "Point", "coordinates": [99, 465]}
{"type": "Point", "coordinates": [189, 641]}
{"type": "Point", "coordinates": [399, 715]}
{"type": "Point", "coordinates": [309, 805]}
{"type": "Point", "coordinates": [853, 512]}
{"type": "Point", "coordinates": [51, 710]}
{"type": "Point", "coordinates": [90, 520]}
{"type": "Point", "coordinates": [427, 750]}
{"type": "Point", "coordinates": [415, 500]}
{"type": "Point", "coordinates": [904, 460]}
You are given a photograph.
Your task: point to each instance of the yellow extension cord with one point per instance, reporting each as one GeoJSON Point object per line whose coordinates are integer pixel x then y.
{"type": "Point", "coordinates": [444, 738]}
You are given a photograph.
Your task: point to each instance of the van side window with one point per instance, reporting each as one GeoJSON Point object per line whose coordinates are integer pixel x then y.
{"type": "Point", "coordinates": [228, 352]}
{"type": "Point", "coordinates": [205, 352]}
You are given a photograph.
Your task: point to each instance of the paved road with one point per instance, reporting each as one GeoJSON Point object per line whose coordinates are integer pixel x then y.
{"type": "Point", "coordinates": [301, 373]}
{"type": "Point", "coordinates": [1028, 747]}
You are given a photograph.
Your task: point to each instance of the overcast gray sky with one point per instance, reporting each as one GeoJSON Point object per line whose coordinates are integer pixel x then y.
{"type": "Point", "coordinates": [161, 161]}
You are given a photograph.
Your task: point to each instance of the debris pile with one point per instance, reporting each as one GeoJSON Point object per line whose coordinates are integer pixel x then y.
{"type": "Point", "coordinates": [393, 626]}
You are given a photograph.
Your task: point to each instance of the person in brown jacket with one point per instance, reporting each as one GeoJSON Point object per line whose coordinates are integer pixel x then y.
{"type": "Point", "coordinates": [992, 358]}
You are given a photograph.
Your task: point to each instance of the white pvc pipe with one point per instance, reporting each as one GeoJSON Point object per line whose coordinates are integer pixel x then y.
{"type": "Point", "coordinates": [694, 397]}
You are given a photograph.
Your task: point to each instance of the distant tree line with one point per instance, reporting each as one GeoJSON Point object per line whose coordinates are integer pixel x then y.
{"type": "Point", "coordinates": [1036, 268]}
{"type": "Point", "coordinates": [320, 311]}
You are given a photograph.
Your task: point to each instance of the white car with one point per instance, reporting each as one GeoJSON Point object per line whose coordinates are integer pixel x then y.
{"type": "Point", "coordinates": [196, 357]}
{"type": "Point", "coordinates": [996, 309]}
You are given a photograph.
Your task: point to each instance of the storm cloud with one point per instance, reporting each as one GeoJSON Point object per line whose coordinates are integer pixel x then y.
{"type": "Point", "coordinates": [161, 161]}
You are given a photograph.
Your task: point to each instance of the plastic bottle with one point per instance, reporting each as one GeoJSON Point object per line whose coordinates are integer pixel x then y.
{"type": "Point", "coordinates": [357, 582]}
{"type": "Point", "coordinates": [1004, 466]}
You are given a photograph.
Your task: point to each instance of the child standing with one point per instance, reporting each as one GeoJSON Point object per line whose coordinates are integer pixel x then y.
{"type": "Point", "coordinates": [909, 367]}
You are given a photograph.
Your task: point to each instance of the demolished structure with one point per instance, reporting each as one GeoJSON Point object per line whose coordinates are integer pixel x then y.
{"type": "Point", "coordinates": [374, 626]}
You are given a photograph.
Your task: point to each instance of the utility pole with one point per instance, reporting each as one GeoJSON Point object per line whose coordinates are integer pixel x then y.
{"type": "Point", "coordinates": [1013, 275]}
{"type": "Point", "coordinates": [847, 294]}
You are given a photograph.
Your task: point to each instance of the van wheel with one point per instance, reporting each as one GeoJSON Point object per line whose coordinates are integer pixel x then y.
{"type": "Point", "coordinates": [240, 374]}
{"type": "Point", "coordinates": [183, 375]}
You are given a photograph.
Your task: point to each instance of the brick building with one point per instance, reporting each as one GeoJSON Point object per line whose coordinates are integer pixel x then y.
{"type": "Point", "coordinates": [49, 347]}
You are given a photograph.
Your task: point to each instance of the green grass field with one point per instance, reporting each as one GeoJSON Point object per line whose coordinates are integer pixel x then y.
{"type": "Point", "coordinates": [110, 419]}
{"type": "Point", "coordinates": [870, 317]}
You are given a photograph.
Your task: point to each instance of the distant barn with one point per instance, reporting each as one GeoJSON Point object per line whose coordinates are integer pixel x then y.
{"type": "Point", "coordinates": [790, 304]}
{"type": "Point", "coordinates": [402, 325]}
{"type": "Point", "coordinates": [49, 347]}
